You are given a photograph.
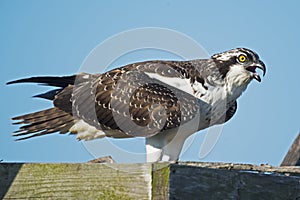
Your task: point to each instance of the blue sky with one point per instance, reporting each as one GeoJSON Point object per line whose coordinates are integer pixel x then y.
{"type": "Point", "coordinates": [54, 38]}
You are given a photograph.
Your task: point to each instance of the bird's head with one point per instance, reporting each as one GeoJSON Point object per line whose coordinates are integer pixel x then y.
{"type": "Point", "coordinates": [239, 65]}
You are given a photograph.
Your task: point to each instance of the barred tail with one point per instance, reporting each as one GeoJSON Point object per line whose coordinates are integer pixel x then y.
{"type": "Point", "coordinates": [43, 122]}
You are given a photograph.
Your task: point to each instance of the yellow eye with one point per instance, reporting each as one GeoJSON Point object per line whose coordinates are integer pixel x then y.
{"type": "Point", "coordinates": [242, 58]}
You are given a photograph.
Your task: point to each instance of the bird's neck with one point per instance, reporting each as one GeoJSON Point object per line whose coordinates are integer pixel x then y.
{"type": "Point", "coordinates": [236, 84]}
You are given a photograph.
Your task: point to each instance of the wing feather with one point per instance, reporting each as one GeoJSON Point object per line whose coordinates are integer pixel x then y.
{"type": "Point", "coordinates": [128, 100]}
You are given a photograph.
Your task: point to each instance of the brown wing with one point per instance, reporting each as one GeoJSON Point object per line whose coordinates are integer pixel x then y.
{"type": "Point", "coordinates": [129, 101]}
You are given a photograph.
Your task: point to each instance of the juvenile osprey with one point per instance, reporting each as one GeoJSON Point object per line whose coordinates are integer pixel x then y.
{"type": "Point", "coordinates": [164, 101]}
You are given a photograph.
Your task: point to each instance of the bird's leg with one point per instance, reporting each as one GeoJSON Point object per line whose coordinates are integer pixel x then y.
{"type": "Point", "coordinates": [164, 147]}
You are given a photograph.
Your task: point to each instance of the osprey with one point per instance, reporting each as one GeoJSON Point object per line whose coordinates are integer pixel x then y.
{"type": "Point", "coordinates": [163, 101]}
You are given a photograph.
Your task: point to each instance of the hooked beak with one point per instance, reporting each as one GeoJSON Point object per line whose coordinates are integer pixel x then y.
{"type": "Point", "coordinates": [252, 69]}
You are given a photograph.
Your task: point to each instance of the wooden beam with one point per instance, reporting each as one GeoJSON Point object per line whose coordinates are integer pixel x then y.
{"type": "Point", "coordinates": [192, 182]}
{"type": "Point", "coordinates": [75, 181]}
{"type": "Point", "coordinates": [148, 181]}
{"type": "Point", "coordinates": [292, 157]}
{"type": "Point", "coordinates": [160, 181]}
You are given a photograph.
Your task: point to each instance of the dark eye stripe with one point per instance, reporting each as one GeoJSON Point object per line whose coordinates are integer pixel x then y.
{"type": "Point", "coordinates": [256, 56]}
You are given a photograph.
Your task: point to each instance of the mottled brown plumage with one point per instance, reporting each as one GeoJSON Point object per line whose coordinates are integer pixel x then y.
{"type": "Point", "coordinates": [152, 99]}
{"type": "Point", "coordinates": [124, 99]}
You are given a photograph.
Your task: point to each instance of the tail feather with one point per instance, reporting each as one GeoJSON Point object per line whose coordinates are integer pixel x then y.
{"type": "Point", "coordinates": [32, 115]}
{"type": "Point", "coordinates": [62, 129]}
{"type": "Point", "coordinates": [62, 81]}
{"type": "Point", "coordinates": [57, 119]}
{"type": "Point", "coordinates": [45, 132]}
{"type": "Point", "coordinates": [43, 122]}
{"type": "Point", "coordinates": [50, 95]}
{"type": "Point", "coordinates": [43, 125]}
{"type": "Point", "coordinates": [57, 81]}
{"type": "Point", "coordinates": [36, 116]}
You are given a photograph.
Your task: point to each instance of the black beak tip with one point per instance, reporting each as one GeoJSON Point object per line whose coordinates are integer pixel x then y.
{"type": "Point", "coordinates": [264, 71]}
{"type": "Point", "coordinates": [262, 66]}
{"type": "Point", "coordinates": [256, 77]}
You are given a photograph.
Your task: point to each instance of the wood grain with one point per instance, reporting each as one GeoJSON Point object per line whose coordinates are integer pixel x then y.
{"type": "Point", "coordinates": [75, 181]}
{"type": "Point", "coordinates": [192, 182]}
{"type": "Point", "coordinates": [187, 180]}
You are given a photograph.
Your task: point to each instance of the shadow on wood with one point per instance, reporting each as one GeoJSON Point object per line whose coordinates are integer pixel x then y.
{"type": "Point", "coordinates": [7, 176]}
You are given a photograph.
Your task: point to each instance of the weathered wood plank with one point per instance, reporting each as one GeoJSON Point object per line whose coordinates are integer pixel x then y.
{"type": "Point", "coordinates": [246, 167]}
{"type": "Point", "coordinates": [160, 181]}
{"type": "Point", "coordinates": [292, 157]}
{"type": "Point", "coordinates": [192, 182]}
{"type": "Point", "coordinates": [75, 181]}
{"type": "Point", "coordinates": [148, 181]}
